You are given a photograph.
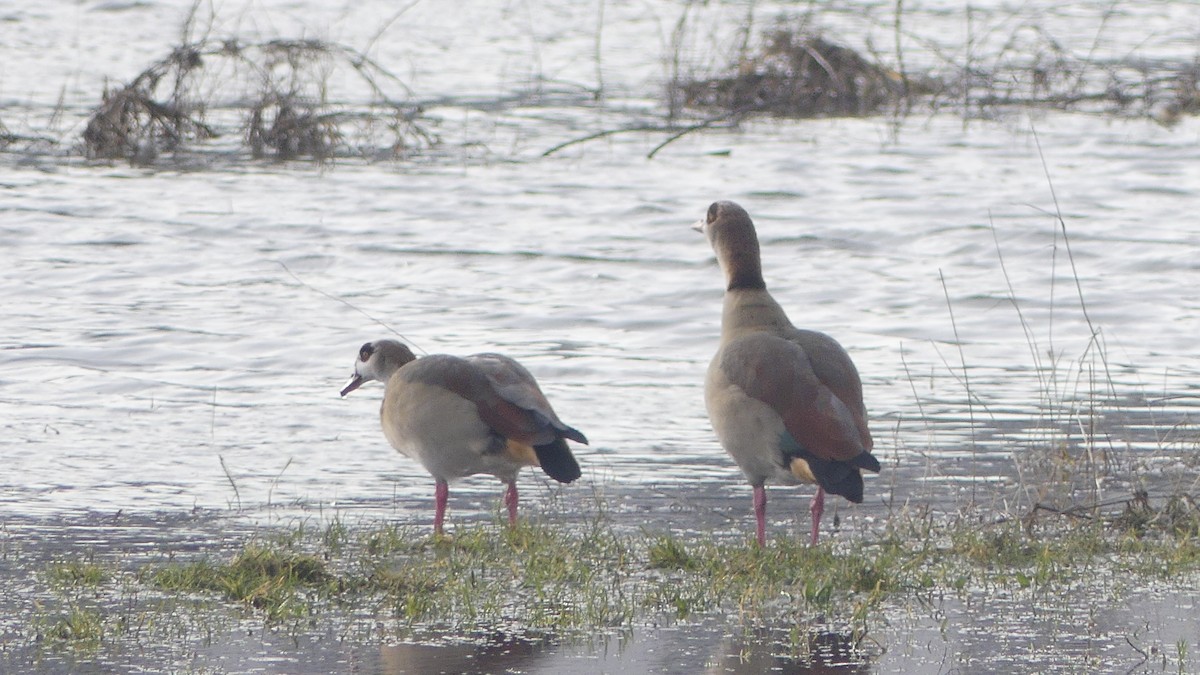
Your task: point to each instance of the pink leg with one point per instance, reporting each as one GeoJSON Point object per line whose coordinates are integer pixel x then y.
{"type": "Point", "coordinates": [510, 500]}
{"type": "Point", "coordinates": [440, 495]}
{"type": "Point", "coordinates": [818, 507]}
{"type": "Point", "coordinates": [760, 513]}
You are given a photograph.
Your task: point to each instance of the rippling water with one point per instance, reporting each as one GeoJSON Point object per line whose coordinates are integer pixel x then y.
{"type": "Point", "coordinates": [160, 320]}
{"type": "Point", "coordinates": [175, 339]}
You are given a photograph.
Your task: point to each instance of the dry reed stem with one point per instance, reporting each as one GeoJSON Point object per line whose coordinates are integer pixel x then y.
{"type": "Point", "coordinates": [277, 88]}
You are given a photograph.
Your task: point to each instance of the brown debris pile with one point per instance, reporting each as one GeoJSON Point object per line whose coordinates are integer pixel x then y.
{"type": "Point", "coordinates": [797, 72]}
{"type": "Point", "coordinates": [800, 75]}
{"type": "Point", "coordinates": [286, 130]}
{"type": "Point", "coordinates": [134, 123]}
{"type": "Point", "coordinates": [270, 98]}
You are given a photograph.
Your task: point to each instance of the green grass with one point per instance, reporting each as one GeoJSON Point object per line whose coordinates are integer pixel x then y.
{"type": "Point", "coordinates": [76, 573]}
{"type": "Point", "coordinates": [580, 578]}
{"type": "Point", "coordinates": [276, 581]}
{"type": "Point", "coordinates": [541, 577]}
{"type": "Point", "coordinates": [83, 627]}
{"type": "Point", "coordinates": [595, 576]}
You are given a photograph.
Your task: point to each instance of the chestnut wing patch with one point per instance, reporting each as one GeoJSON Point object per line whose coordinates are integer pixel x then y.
{"type": "Point", "coordinates": [465, 379]}
{"type": "Point", "coordinates": [779, 373]}
{"type": "Point", "coordinates": [516, 386]}
{"type": "Point", "coordinates": [833, 367]}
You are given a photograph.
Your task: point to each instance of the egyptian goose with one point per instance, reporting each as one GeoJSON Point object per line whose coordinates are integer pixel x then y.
{"type": "Point", "coordinates": [464, 416]}
{"type": "Point", "coordinates": [786, 403]}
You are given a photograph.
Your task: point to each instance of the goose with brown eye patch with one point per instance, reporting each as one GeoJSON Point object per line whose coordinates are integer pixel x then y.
{"type": "Point", "coordinates": [480, 414]}
{"type": "Point", "coordinates": [786, 403]}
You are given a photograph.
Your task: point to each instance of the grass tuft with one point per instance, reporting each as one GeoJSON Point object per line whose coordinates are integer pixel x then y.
{"type": "Point", "coordinates": [274, 581]}
{"type": "Point", "coordinates": [79, 628]}
{"type": "Point", "coordinates": [574, 580]}
{"type": "Point", "coordinates": [77, 573]}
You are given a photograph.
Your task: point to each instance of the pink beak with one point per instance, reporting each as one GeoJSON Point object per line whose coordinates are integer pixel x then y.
{"type": "Point", "coordinates": [354, 383]}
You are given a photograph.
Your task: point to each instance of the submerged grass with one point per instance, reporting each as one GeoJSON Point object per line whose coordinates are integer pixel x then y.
{"type": "Point", "coordinates": [79, 628]}
{"type": "Point", "coordinates": [76, 573]}
{"type": "Point", "coordinates": [579, 579]}
{"type": "Point", "coordinates": [573, 581]}
{"type": "Point", "coordinates": [530, 575]}
{"type": "Point", "coordinates": [278, 582]}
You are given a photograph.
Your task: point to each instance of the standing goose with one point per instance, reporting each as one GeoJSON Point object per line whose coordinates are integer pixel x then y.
{"type": "Point", "coordinates": [463, 416]}
{"type": "Point", "coordinates": [786, 403]}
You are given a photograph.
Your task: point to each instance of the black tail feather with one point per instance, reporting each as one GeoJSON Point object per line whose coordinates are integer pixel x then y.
{"type": "Point", "coordinates": [573, 434]}
{"type": "Point", "coordinates": [557, 461]}
{"type": "Point", "coordinates": [839, 478]}
{"type": "Point", "coordinates": [842, 478]}
{"type": "Point", "coordinates": [850, 486]}
{"type": "Point", "coordinates": [866, 461]}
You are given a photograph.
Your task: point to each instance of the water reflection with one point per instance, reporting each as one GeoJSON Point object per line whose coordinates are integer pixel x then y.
{"type": "Point", "coordinates": [752, 653]}
{"type": "Point", "coordinates": [492, 653]}
{"type": "Point", "coordinates": [698, 648]}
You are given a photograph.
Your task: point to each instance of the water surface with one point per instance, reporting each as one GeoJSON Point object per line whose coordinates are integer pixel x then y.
{"type": "Point", "coordinates": [175, 338]}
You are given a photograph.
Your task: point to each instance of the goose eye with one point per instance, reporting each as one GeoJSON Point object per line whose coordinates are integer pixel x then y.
{"type": "Point", "coordinates": [365, 353]}
{"type": "Point", "coordinates": [712, 211]}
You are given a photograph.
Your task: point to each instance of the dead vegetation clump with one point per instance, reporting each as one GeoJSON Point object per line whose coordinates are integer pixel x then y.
{"type": "Point", "coordinates": [1034, 70]}
{"type": "Point", "coordinates": [272, 98]}
{"type": "Point", "coordinates": [1179, 516]}
{"type": "Point", "coordinates": [800, 74]}
{"type": "Point", "coordinates": [6, 137]}
{"type": "Point", "coordinates": [282, 128]}
{"type": "Point", "coordinates": [1162, 91]}
{"type": "Point", "coordinates": [136, 121]}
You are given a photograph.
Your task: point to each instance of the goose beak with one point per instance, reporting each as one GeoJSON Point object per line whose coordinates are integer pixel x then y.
{"type": "Point", "coordinates": [353, 383]}
{"type": "Point", "coordinates": [698, 226]}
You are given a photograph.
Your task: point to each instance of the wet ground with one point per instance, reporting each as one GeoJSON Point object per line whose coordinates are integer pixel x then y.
{"type": "Point", "coordinates": [174, 338]}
